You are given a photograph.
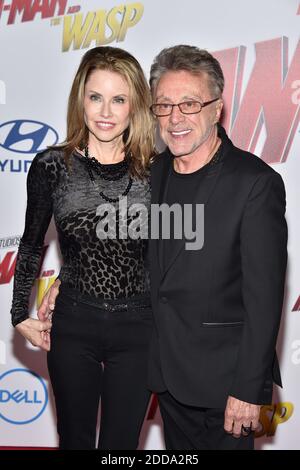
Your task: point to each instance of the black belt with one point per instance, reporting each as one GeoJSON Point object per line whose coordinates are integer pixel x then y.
{"type": "Point", "coordinates": [115, 305]}
{"type": "Point", "coordinates": [123, 306]}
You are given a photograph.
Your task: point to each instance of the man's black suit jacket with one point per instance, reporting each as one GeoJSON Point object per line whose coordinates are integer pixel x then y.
{"type": "Point", "coordinates": [217, 310]}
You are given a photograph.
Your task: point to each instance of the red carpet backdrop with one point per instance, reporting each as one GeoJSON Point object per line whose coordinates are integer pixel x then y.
{"type": "Point", "coordinates": [41, 44]}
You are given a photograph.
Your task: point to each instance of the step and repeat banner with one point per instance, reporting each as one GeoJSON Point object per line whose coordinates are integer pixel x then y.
{"type": "Point", "coordinates": [41, 44]}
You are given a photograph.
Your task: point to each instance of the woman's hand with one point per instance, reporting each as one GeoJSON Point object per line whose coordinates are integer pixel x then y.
{"type": "Point", "coordinates": [36, 331]}
{"type": "Point", "coordinates": [48, 303]}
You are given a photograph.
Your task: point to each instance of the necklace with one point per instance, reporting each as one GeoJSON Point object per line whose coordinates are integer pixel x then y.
{"type": "Point", "coordinates": [110, 172]}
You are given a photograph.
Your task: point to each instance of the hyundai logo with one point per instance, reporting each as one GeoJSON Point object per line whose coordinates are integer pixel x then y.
{"type": "Point", "coordinates": [26, 136]}
{"type": "Point", "coordinates": [23, 396]}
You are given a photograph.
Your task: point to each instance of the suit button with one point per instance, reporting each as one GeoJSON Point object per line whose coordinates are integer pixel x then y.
{"type": "Point", "coordinates": [164, 300]}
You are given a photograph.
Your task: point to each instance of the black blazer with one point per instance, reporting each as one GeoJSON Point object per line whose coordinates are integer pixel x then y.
{"type": "Point", "coordinates": [217, 310]}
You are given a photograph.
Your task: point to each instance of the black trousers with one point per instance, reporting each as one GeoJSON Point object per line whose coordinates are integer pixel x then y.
{"type": "Point", "coordinates": [194, 428]}
{"type": "Point", "coordinates": [98, 353]}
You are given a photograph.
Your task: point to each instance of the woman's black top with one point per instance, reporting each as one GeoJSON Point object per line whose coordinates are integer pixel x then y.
{"type": "Point", "coordinates": [108, 268]}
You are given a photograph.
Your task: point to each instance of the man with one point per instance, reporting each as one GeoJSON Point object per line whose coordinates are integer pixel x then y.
{"type": "Point", "coordinates": [217, 310]}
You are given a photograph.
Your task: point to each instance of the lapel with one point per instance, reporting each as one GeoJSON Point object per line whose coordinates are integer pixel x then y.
{"type": "Point", "coordinates": [162, 198]}
{"type": "Point", "coordinates": [161, 184]}
{"type": "Point", "coordinates": [202, 196]}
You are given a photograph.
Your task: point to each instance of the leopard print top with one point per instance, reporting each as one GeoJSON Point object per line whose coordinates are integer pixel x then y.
{"type": "Point", "coordinates": [106, 268]}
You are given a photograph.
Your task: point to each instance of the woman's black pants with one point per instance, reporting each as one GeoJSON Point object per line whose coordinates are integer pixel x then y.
{"type": "Point", "coordinates": [98, 352]}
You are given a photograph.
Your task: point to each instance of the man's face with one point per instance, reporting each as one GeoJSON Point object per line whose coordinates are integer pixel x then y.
{"type": "Point", "coordinates": [186, 134]}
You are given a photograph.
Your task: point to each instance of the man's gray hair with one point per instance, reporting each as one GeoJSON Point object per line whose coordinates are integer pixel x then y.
{"type": "Point", "coordinates": [191, 59]}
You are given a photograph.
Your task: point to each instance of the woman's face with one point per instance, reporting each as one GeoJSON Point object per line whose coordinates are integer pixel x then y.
{"type": "Point", "coordinates": [106, 106]}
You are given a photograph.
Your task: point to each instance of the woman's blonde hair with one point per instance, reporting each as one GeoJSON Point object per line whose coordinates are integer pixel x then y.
{"type": "Point", "coordinates": [139, 137]}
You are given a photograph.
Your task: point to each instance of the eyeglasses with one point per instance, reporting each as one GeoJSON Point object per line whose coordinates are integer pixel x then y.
{"type": "Point", "coordinates": [186, 107]}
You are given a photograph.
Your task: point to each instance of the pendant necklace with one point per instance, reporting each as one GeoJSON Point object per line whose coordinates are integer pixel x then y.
{"type": "Point", "coordinates": [110, 172]}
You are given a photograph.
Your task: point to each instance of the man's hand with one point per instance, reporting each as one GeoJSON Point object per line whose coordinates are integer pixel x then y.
{"type": "Point", "coordinates": [240, 415]}
{"type": "Point", "coordinates": [48, 303]}
{"type": "Point", "coordinates": [36, 331]}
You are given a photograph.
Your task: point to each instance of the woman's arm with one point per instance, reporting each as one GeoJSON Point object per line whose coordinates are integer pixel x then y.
{"type": "Point", "coordinates": [38, 216]}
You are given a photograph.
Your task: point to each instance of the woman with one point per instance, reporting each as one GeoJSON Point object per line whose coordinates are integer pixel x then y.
{"type": "Point", "coordinates": [102, 321]}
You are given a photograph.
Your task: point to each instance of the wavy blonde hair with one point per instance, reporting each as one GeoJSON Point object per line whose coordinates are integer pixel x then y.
{"type": "Point", "coordinates": [139, 137]}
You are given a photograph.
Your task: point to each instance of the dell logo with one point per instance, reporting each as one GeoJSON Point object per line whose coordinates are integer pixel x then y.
{"type": "Point", "coordinates": [23, 396]}
{"type": "Point", "coordinates": [18, 396]}
{"type": "Point", "coordinates": [26, 136]}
